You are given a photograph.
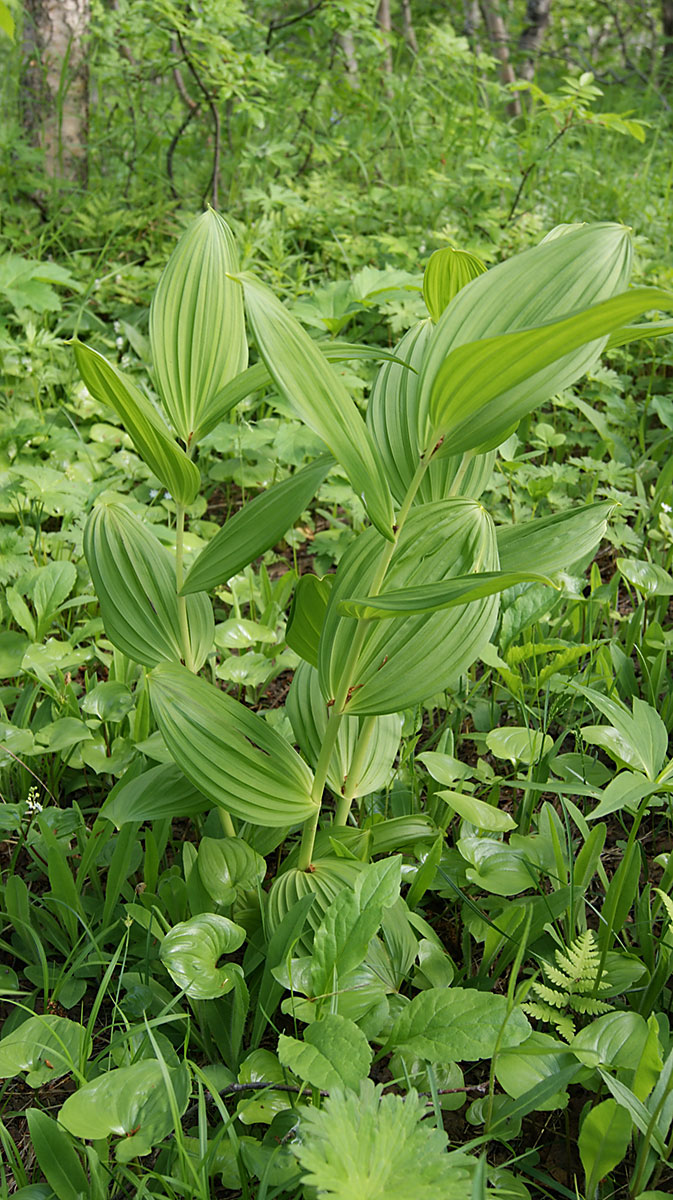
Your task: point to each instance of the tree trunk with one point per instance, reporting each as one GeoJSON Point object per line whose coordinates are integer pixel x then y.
{"type": "Point", "coordinates": [386, 26]}
{"type": "Point", "coordinates": [538, 16]}
{"type": "Point", "coordinates": [347, 43]}
{"type": "Point", "coordinates": [498, 35]}
{"type": "Point", "coordinates": [472, 19]}
{"type": "Point", "coordinates": [55, 83]}
{"type": "Point", "coordinates": [409, 31]}
{"type": "Point", "coordinates": [667, 29]}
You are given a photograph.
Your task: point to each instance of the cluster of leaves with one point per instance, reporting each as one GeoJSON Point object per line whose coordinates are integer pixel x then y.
{"type": "Point", "coordinates": [230, 992]}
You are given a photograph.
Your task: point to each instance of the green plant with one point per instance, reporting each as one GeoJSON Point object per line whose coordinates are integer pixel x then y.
{"type": "Point", "coordinates": [570, 986]}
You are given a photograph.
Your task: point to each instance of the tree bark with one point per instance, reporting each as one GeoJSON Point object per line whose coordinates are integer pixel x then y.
{"type": "Point", "coordinates": [538, 17]}
{"type": "Point", "coordinates": [386, 26]}
{"type": "Point", "coordinates": [667, 29]}
{"type": "Point", "coordinates": [499, 40]}
{"type": "Point", "coordinates": [55, 92]}
{"type": "Point", "coordinates": [409, 31]}
{"type": "Point", "coordinates": [472, 19]}
{"type": "Point", "coordinates": [347, 43]}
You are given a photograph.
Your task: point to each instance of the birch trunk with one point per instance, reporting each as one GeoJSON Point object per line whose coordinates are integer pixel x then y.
{"type": "Point", "coordinates": [55, 83]}
{"type": "Point", "coordinates": [499, 41]}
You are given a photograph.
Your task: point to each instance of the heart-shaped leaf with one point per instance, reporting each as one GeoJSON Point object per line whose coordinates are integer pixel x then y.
{"type": "Point", "coordinates": [191, 951]}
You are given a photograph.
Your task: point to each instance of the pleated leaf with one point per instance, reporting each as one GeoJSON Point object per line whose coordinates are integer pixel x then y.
{"type": "Point", "coordinates": [431, 597]}
{"type": "Point", "coordinates": [149, 433]}
{"type": "Point", "coordinates": [554, 543]}
{"type": "Point", "coordinates": [308, 716]}
{"type": "Point", "coordinates": [404, 662]}
{"type": "Point", "coordinates": [644, 330]}
{"type": "Point", "coordinates": [230, 754]}
{"type": "Point", "coordinates": [562, 275]}
{"type": "Point", "coordinates": [257, 379]}
{"type": "Point", "coordinates": [307, 614]}
{"type": "Point", "coordinates": [393, 416]}
{"type": "Point", "coordinates": [447, 272]}
{"type": "Point", "coordinates": [197, 326]}
{"type": "Point", "coordinates": [134, 578]}
{"type": "Point", "coordinates": [482, 388]}
{"type": "Point", "coordinates": [319, 398]}
{"type": "Point", "coordinates": [255, 528]}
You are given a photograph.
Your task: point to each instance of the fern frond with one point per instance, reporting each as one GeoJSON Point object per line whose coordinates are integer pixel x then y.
{"type": "Point", "coordinates": [587, 1004]}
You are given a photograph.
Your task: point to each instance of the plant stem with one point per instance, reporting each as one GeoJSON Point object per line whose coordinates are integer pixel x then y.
{"type": "Point", "coordinates": [353, 778]}
{"type": "Point", "coordinates": [182, 600]}
{"type": "Point", "coordinates": [337, 710]}
{"type": "Point", "coordinates": [226, 823]}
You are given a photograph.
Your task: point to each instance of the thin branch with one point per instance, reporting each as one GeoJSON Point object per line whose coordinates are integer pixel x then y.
{"type": "Point", "coordinates": [275, 26]}
{"type": "Point", "coordinates": [214, 179]}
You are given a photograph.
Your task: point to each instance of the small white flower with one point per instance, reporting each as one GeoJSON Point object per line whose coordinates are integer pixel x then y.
{"type": "Point", "coordinates": [153, 493]}
{"type": "Point", "coordinates": [119, 342]}
{"type": "Point", "coordinates": [117, 326]}
{"type": "Point", "coordinates": [666, 508]}
{"type": "Point", "coordinates": [118, 278]}
{"type": "Point", "coordinates": [167, 496]}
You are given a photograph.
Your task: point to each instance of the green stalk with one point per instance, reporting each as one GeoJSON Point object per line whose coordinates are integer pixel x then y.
{"type": "Point", "coordinates": [340, 700]}
{"type": "Point", "coordinates": [359, 754]}
{"type": "Point", "coordinates": [182, 600]}
{"type": "Point", "coordinates": [226, 823]}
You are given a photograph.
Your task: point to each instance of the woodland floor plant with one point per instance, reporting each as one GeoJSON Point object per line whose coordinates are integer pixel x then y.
{"type": "Point", "coordinates": [412, 605]}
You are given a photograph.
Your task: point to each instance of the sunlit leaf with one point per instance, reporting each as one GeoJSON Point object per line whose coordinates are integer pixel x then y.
{"type": "Point", "coordinates": [150, 434]}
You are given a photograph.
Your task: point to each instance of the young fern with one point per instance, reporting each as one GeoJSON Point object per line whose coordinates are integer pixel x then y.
{"type": "Point", "coordinates": [568, 992]}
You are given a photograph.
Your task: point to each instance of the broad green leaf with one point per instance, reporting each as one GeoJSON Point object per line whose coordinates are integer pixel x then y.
{"type": "Point", "coordinates": [257, 379]}
{"type": "Point", "coordinates": [392, 417]}
{"type": "Point", "coordinates": [496, 867]}
{"type": "Point", "coordinates": [561, 276]}
{"type": "Point", "coordinates": [483, 387]}
{"type": "Point", "coordinates": [319, 398]}
{"type": "Point", "coordinates": [349, 924]}
{"type": "Point", "coordinates": [51, 587]}
{"type": "Point", "coordinates": [539, 1057]}
{"type": "Point", "coordinates": [226, 864]}
{"type": "Point", "coordinates": [328, 877]}
{"type": "Point", "coordinates": [640, 739]}
{"type": "Point", "coordinates": [551, 544]}
{"type": "Point", "coordinates": [433, 597]}
{"type": "Point", "coordinates": [334, 1054]}
{"type": "Point", "coordinates": [647, 330]}
{"type": "Point", "coordinates": [403, 662]}
{"type": "Point", "coordinates": [150, 434]}
{"type": "Point", "coordinates": [158, 793]}
{"type": "Point", "coordinates": [448, 271]}
{"type": "Point", "coordinates": [603, 1141]}
{"type": "Point", "coordinates": [616, 1039]}
{"type": "Point", "coordinates": [624, 790]}
{"type": "Point", "coordinates": [6, 20]}
{"type": "Point", "coordinates": [262, 1067]}
{"type": "Point", "coordinates": [239, 634]}
{"type": "Point", "coordinates": [197, 327]}
{"type": "Point", "coordinates": [134, 578]}
{"type": "Point", "coordinates": [308, 715]}
{"type": "Point", "coordinates": [639, 1114]}
{"type": "Point", "coordinates": [518, 743]}
{"type": "Point", "coordinates": [228, 753]}
{"type": "Point", "coordinates": [191, 952]}
{"type": "Point", "coordinates": [131, 1102]}
{"type": "Point", "coordinates": [477, 812]}
{"type": "Point", "coordinates": [647, 577]}
{"type": "Point", "coordinates": [46, 1047]}
{"type": "Point", "coordinates": [257, 527]}
{"type": "Point", "coordinates": [56, 1157]}
{"type": "Point", "coordinates": [307, 614]}
{"type": "Point", "coordinates": [457, 1025]}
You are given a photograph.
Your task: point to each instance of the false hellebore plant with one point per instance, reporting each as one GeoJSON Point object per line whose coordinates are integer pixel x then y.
{"type": "Point", "coordinates": [415, 597]}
